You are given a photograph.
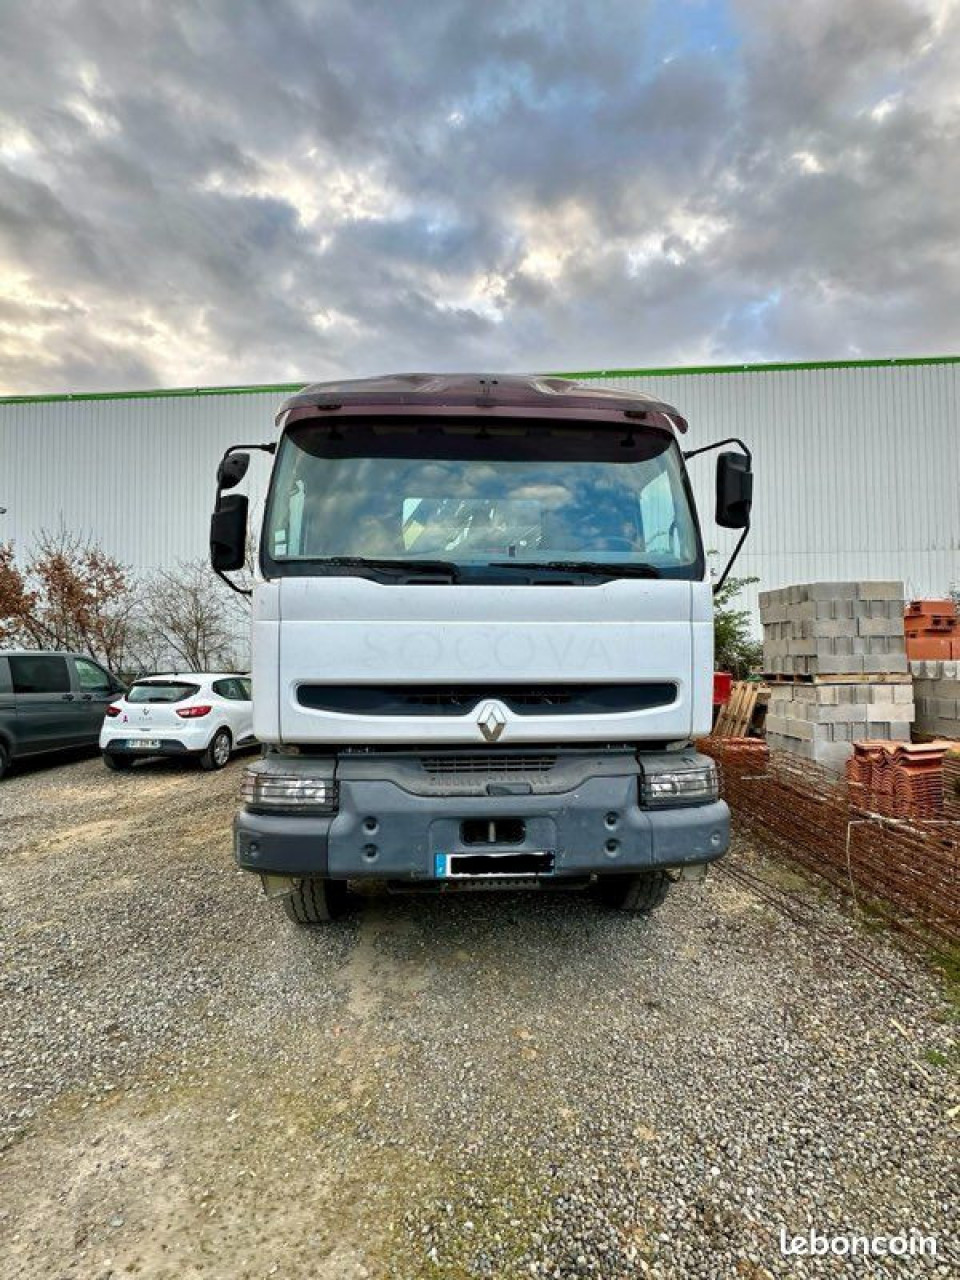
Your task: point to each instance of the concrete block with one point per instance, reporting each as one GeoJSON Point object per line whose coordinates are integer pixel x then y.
{"type": "Point", "coordinates": [831, 590]}
{"type": "Point", "coordinates": [886, 663]}
{"type": "Point", "coordinates": [833, 755]}
{"type": "Point", "coordinates": [877, 627]}
{"type": "Point", "coordinates": [802, 648]}
{"type": "Point", "coordinates": [832, 628]}
{"type": "Point", "coordinates": [849, 714]}
{"type": "Point", "coordinates": [842, 664]}
{"type": "Point", "coordinates": [880, 591]}
{"type": "Point", "coordinates": [890, 712]}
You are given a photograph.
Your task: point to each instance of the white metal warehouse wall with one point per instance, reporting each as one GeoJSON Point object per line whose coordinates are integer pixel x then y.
{"type": "Point", "coordinates": [858, 466]}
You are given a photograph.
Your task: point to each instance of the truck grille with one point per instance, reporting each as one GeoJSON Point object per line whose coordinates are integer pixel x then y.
{"type": "Point", "coordinates": [486, 763]}
{"type": "Point", "coordinates": [459, 699]}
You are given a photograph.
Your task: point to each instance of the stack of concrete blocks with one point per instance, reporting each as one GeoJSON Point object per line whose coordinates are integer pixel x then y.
{"type": "Point", "coordinates": [936, 690]}
{"type": "Point", "coordinates": [836, 655]}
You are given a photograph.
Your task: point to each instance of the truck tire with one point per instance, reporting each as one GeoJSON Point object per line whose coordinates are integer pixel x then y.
{"type": "Point", "coordinates": [116, 762]}
{"type": "Point", "coordinates": [316, 901]}
{"type": "Point", "coordinates": [217, 755]}
{"type": "Point", "coordinates": [638, 895]}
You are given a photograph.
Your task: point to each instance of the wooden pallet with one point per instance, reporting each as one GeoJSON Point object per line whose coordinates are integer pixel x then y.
{"type": "Point", "coordinates": [742, 716]}
{"type": "Point", "coordinates": [872, 677]}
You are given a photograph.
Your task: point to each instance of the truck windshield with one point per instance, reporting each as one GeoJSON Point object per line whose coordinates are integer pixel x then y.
{"type": "Point", "coordinates": [478, 496]}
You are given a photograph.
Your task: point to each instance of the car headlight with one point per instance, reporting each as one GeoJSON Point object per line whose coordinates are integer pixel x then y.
{"type": "Point", "coordinates": [695, 785]}
{"type": "Point", "coordinates": [292, 791]}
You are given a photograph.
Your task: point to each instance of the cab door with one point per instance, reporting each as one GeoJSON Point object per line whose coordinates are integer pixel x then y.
{"type": "Point", "coordinates": [48, 712]}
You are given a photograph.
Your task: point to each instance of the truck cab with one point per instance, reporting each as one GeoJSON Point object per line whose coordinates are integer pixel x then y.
{"type": "Point", "coordinates": [482, 642]}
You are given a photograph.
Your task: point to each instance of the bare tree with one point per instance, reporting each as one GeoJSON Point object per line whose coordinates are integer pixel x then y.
{"type": "Point", "coordinates": [192, 618]}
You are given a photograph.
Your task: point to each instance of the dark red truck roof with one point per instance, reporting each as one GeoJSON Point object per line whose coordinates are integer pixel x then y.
{"type": "Point", "coordinates": [467, 394]}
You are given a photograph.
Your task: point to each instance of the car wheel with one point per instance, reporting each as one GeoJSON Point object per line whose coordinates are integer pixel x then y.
{"type": "Point", "coordinates": [638, 895]}
{"type": "Point", "coordinates": [4, 759]}
{"type": "Point", "coordinates": [118, 763]}
{"type": "Point", "coordinates": [218, 752]}
{"type": "Point", "coordinates": [317, 901]}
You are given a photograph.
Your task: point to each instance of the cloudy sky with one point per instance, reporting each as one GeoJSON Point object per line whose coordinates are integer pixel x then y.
{"type": "Point", "coordinates": [224, 191]}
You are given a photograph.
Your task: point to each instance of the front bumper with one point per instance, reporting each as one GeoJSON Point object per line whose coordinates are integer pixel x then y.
{"type": "Point", "coordinates": [385, 832]}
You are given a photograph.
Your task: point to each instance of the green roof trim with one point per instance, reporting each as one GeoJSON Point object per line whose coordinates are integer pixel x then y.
{"type": "Point", "coordinates": [777, 366]}
{"type": "Point", "coordinates": [286, 388]}
{"type": "Point", "coordinates": [157, 393]}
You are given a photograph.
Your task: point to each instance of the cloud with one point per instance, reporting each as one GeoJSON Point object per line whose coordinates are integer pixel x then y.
{"type": "Point", "coordinates": [236, 190]}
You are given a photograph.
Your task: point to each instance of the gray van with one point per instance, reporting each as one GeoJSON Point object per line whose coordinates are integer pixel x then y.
{"type": "Point", "coordinates": [50, 701]}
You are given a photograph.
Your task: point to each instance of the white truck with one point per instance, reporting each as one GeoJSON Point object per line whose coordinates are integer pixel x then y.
{"type": "Point", "coordinates": [482, 641]}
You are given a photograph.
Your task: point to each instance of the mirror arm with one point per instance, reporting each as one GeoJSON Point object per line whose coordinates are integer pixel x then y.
{"type": "Point", "coordinates": [241, 591]}
{"type": "Point", "coordinates": [729, 565]}
{"type": "Point", "coordinates": [718, 444]}
{"type": "Point", "coordinates": [263, 448]}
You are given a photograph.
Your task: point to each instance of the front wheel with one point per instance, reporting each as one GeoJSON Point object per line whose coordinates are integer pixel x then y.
{"type": "Point", "coordinates": [4, 759]}
{"type": "Point", "coordinates": [218, 752]}
{"type": "Point", "coordinates": [638, 895]}
{"type": "Point", "coordinates": [316, 901]}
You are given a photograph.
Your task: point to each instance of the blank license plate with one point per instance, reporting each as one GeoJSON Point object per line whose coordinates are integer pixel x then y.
{"type": "Point", "coordinates": [476, 865]}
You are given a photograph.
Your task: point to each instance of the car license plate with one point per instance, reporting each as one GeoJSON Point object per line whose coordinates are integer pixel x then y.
{"type": "Point", "coordinates": [143, 744]}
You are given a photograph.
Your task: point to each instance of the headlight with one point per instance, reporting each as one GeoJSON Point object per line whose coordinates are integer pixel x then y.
{"type": "Point", "coordinates": [696, 785]}
{"type": "Point", "coordinates": [288, 791]}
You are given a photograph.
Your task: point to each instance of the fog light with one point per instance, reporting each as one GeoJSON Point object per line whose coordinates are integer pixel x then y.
{"type": "Point", "coordinates": [695, 785]}
{"type": "Point", "coordinates": [291, 791]}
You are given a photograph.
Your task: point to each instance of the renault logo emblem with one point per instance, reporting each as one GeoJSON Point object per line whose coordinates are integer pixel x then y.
{"type": "Point", "coordinates": [491, 721]}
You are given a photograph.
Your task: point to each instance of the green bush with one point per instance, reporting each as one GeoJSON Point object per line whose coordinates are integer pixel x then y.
{"type": "Point", "coordinates": [735, 649]}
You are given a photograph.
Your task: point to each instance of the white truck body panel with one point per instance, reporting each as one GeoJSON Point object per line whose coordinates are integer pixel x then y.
{"type": "Point", "coordinates": [351, 630]}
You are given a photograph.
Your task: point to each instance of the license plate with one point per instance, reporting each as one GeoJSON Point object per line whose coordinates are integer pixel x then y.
{"type": "Point", "coordinates": [480, 864]}
{"type": "Point", "coordinates": [143, 744]}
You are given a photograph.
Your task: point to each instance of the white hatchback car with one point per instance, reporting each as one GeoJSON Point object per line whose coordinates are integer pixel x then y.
{"type": "Point", "coordinates": [204, 715]}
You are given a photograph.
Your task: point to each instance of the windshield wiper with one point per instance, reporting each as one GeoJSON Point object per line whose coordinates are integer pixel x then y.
{"type": "Point", "coordinates": [392, 565]}
{"type": "Point", "coordinates": [595, 568]}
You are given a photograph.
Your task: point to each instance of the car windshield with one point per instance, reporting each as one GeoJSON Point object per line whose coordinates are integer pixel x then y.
{"type": "Point", "coordinates": [161, 691]}
{"type": "Point", "coordinates": [478, 496]}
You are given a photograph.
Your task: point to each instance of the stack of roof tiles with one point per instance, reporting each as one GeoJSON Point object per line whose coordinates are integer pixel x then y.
{"type": "Point", "coordinates": [936, 688]}
{"type": "Point", "coordinates": [933, 630]}
{"type": "Point", "coordinates": [899, 780]}
{"type": "Point", "coordinates": [836, 656]}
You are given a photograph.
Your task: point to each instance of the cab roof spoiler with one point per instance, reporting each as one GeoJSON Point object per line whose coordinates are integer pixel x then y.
{"type": "Point", "coordinates": [474, 394]}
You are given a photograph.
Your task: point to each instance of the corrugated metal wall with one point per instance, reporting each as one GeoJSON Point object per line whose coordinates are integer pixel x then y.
{"type": "Point", "coordinates": [858, 468]}
{"type": "Point", "coordinates": [137, 474]}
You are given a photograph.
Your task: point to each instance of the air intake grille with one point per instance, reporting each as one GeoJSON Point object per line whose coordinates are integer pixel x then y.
{"type": "Point", "coordinates": [460, 700]}
{"type": "Point", "coordinates": [487, 763]}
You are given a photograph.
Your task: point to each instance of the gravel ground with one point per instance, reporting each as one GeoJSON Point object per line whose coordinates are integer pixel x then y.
{"type": "Point", "coordinates": [190, 1086]}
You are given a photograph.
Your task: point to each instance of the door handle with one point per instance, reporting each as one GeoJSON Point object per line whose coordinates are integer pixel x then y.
{"type": "Point", "coordinates": [88, 697]}
{"type": "Point", "coordinates": [68, 697]}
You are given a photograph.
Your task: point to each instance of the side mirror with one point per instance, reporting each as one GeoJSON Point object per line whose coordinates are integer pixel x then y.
{"type": "Point", "coordinates": [734, 491]}
{"type": "Point", "coordinates": [232, 469]}
{"type": "Point", "coordinates": [228, 530]}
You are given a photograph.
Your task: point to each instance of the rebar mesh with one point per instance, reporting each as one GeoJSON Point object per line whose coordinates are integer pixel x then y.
{"type": "Point", "coordinates": [911, 866]}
